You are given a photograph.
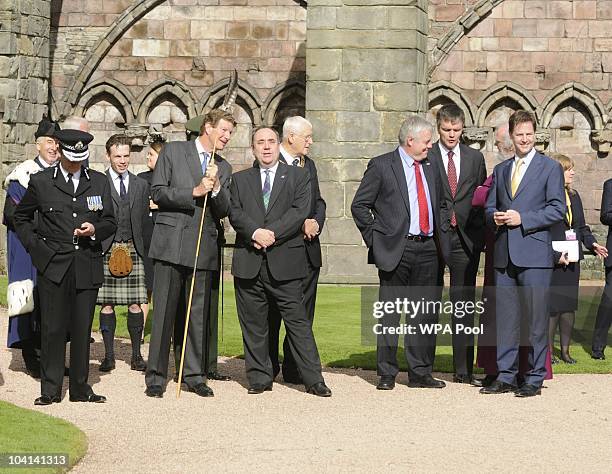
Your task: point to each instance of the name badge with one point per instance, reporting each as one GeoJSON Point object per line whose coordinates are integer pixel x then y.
{"type": "Point", "coordinates": [94, 203]}
{"type": "Point", "coordinates": [570, 234]}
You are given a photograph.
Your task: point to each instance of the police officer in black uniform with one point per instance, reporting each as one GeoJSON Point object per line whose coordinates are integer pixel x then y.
{"type": "Point", "coordinates": [75, 214]}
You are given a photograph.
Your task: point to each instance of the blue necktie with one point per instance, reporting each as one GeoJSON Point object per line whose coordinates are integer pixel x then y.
{"type": "Point", "coordinates": [204, 161]}
{"type": "Point", "coordinates": [122, 190]}
{"type": "Point", "coordinates": [266, 189]}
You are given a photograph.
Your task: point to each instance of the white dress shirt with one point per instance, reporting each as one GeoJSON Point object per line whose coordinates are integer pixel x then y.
{"type": "Point", "coordinates": [262, 172]}
{"type": "Point", "coordinates": [288, 158]}
{"type": "Point", "coordinates": [117, 182]}
{"type": "Point", "coordinates": [526, 163]}
{"type": "Point", "coordinates": [456, 158]}
{"type": "Point", "coordinates": [76, 176]}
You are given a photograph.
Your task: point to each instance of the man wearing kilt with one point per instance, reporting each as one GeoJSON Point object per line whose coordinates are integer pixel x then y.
{"type": "Point", "coordinates": [130, 196]}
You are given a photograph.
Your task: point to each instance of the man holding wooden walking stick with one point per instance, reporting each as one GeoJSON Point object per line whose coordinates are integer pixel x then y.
{"type": "Point", "coordinates": [186, 172]}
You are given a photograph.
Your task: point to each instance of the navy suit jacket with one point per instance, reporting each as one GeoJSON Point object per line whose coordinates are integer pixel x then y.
{"type": "Point", "coordinates": [540, 200]}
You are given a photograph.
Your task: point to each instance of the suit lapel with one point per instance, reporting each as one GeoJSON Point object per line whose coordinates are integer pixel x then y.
{"type": "Point", "coordinates": [279, 181]}
{"type": "Point", "coordinates": [193, 161]}
{"type": "Point", "coordinates": [534, 169]}
{"type": "Point", "coordinates": [429, 171]}
{"type": "Point", "coordinates": [114, 193]}
{"type": "Point", "coordinates": [255, 183]}
{"type": "Point", "coordinates": [400, 176]}
{"type": "Point", "coordinates": [61, 183]}
{"type": "Point", "coordinates": [507, 176]}
{"type": "Point", "coordinates": [438, 162]}
{"type": "Point", "coordinates": [132, 189]}
{"type": "Point", "coordinates": [466, 168]}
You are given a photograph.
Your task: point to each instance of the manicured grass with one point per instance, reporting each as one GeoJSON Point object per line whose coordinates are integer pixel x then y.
{"type": "Point", "coordinates": [30, 432]}
{"type": "Point", "coordinates": [338, 325]}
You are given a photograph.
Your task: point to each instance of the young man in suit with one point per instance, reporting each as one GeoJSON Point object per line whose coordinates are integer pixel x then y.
{"type": "Point", "coordinates": [130, 195]}
{"type": "Point", "coordinates": [297, 138]}
{"type": "Point", "coordinates": [461, 170]}
{"type": "Point", "coordinates": [604, 312]}
{"type": "Point", "coordinates": [269, 204]}
{"type": "Point", "coordinates": [186, 172]}
{"type": "Point", "coordinates": [397, 209]}
{"type": "Point", "coordinates": [526, 198]}
{"type": "Point", "coordinates": [74, 213]}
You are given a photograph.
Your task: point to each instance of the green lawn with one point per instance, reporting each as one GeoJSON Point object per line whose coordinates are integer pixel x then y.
{"type": "Point", "coordinates": [338, 325]}
{"type": "Point", "coordinates": [26, 431]}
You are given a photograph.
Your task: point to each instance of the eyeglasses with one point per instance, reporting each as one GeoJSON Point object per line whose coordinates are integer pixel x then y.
{"type": "Point", "coordinates": [307, 138]}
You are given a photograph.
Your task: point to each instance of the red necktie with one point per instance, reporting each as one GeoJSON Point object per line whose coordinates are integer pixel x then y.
{"type": "Point", "coordinates": [452, 182]}
{"type": "Point", "coordinates": [422, 199]}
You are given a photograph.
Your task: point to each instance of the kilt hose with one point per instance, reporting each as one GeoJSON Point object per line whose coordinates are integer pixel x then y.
{"type": "Point", "coordinates": [126, 290]}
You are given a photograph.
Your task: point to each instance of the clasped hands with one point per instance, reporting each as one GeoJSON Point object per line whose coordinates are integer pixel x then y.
{"type": "Point", "coordinates": [263, 238]}
{"type": "Point", "coordinates": [510, 217]}
{"type": "Point", "coordinates": [210, 181]}
{"type": "Point", "coordinates": [310, 229]}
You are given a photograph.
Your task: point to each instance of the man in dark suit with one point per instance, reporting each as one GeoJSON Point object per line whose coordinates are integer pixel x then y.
{"type": "Point", "coordinates": [526, 198]}
{"type": "Point", "coordinates": [269, 205]}
{"type": "Point", "coordinates": [297, 138]}
{"type": "Point", "coordinates": [604, 312]}
{"type": "Point", "coordinates": [185, 172]}
{"type": "Point", "coordinates": [397, 210]}
{"type": "Point", "coordinates": [461, 170]}
{"type": "Point", "coordinates": [75, 214]}
{"type": "Point", "coordinates": [130, 196]}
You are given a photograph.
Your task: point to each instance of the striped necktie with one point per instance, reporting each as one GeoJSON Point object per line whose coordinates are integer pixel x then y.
{"type": "Point", "coordinates": [267, 189]}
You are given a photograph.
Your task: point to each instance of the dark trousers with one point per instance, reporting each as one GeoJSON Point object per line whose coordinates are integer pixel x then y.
{"type": "Point", "coordinates": [65, 310]}
{"type": "Point", "coordinates": [604, 316]}
{"type": "Point", "coordinates": [253, 299]}
{"type": "Point", "coordinates": [415, 278]}
{"type": "Point", "coordinates": [522, 300]}
{"type": "Point", "coordinates": [171, 294]}
{"type": "Point", "coordinates": [309, 299]}
{"type": "Point", "coordinates": [463, 267]}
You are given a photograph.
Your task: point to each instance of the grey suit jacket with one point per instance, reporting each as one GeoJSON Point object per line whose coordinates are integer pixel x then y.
{"type": "Point", "coordinates": [175, 235]}
{"type": "Point", "coordinates": [138, 193]}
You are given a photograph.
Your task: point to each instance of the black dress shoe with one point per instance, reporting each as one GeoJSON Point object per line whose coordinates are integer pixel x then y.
{"type": "Point", "coordinates": [46, 400]}
{"type": "Point", "coordinates": [107, 365]}
{"type": "Point", "coordinates": [568, 359]}
{"type": "Point", "coordinates": [598, 355]}
{"type": "Point", "coordinates": [469, 379]}
{"type": "Point", "coordinates": [488, 380]}
{"type": "Point", "coordinates": [425, 381]}
{"type": "Point", "coordinates": [320, 390]}
{"type": "Point", "coordinates": [528, 390]}
{"type": "Point", "coordinates": [137, 363]}
{"type": "Point", "coordinates": [154, 391]}
{"type": "Point", "coordinates": [259, 388]}
{"type": "Point", "coordinates": [293, 379]}
{"type": "Point", "coordinates": [91, 398]}
{"type": "Point", "coordinates": [386, 382]}
{"type": "Point", "coordinates": [498, 387]}
{"type": "Point", "coordinates": [217, 376]}
{"type": "Point", "coordinates": [202, 390]}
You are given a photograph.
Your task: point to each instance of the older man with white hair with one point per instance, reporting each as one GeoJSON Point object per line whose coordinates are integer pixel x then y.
{"type": "Point", "coordinates": [297, 138]}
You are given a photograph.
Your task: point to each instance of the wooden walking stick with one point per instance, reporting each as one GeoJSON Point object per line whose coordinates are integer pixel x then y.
{"type": "Point", "coordinates": [193, 277]}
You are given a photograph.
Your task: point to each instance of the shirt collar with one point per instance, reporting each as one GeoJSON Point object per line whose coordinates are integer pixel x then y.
{"type": "Point", "coordinates": [409, 160]}
{"type": "Point", "coordinates": [288, 158]}
{"type": "Point", "coordinates": [272, 170]}
{"type": "Point", "coordinates": [445, 150]}
{"type": "Point", "coordinates": [76, 175]}
{"type": "Point", "coordinates": [528, 158]}
{"type": "Point", "coordinates": [115, 175]}
{"type": "Point", "coordinates": [43, 163]}
{"type": "Point", "coordinates": [200, 148]}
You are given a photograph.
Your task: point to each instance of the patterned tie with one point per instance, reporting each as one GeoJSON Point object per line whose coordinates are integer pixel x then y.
{"type": "Point", "coordinates": [452, 182]}
{"type": "Point", "coordinates": [204, 162]}
{"type": "Point", "coordinates": [296, 162]}
{"type": "Point", "coordinates": [422, 199]}
{"type": "Point", "coordinates": [516, 180]}
{"type": "Point", "coordinates": [266, 189]}
{"type": "Point", "coordinates": [122, 190]}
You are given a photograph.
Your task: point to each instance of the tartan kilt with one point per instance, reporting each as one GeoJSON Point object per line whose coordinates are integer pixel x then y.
{"type": "Point", "coordinates": [126, 290]}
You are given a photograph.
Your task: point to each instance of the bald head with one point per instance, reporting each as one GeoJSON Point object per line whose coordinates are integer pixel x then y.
{"type": "Point", "coordinates": [503, 142]}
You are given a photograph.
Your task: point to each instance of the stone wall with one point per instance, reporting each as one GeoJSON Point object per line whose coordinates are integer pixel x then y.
{"type": "Point", "coordinates": [365, 63]}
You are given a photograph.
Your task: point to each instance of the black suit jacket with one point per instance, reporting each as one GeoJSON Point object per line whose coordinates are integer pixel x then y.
{"type": "Point", "coordinates": [60, 211]}
{"type": "Point", "coordinates": [470, 220]}
{"type": "Point", "coordinates": [381, 208]}
{"type": "Point", "coordinates": [606, 218]}
{"type": "Point", "coordinates": [288, 207]}
{"type": "Point", "coordinates": [583, 231]}
{"type": "Point", "coordinates": [138, 193]}
{"type": "Point", "coordinates": [175, 236]}
{"type": "Point", "coordinates": [316, 212]}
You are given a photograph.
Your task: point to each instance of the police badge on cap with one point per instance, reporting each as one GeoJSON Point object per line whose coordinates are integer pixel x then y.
{"type": "Point", "coordinates": [74, 144]}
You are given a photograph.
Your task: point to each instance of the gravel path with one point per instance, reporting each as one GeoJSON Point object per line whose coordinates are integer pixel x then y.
{"type": "Point", "coordinates": [359, 429]}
